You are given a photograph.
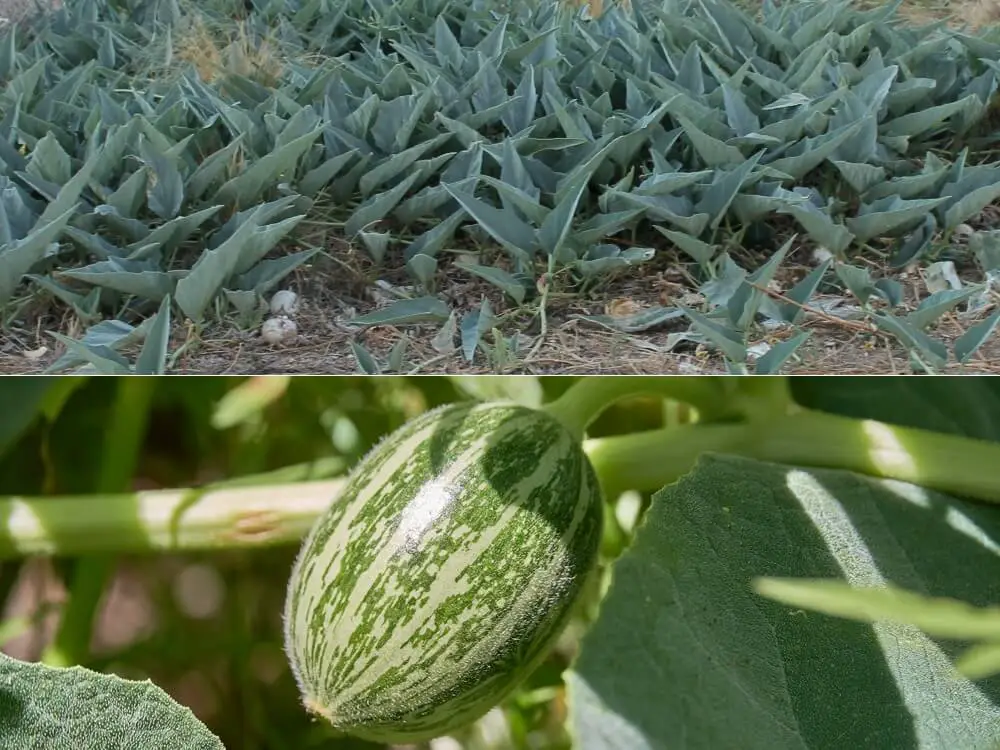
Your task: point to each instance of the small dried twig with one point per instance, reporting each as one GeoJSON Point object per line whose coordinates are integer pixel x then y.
{"type": "Point", "coordinates": [832, 319]}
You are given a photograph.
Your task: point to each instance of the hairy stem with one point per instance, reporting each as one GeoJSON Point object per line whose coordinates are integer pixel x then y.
{"type": "Point", "coordinates": [584, 401]}
{"type": "Point", "coordinates": [158, 521]}
{"type": "Point", "coordinates": [279, 508]}
{"type": "Point", "coordinates": [760, 397]}
{"type": "Point", "coordinates": [948, 463]}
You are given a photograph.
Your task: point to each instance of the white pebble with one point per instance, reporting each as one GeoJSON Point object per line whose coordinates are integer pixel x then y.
{"type": "Point", "coordinates": [280, 330]}
{"type": "Point", "coordinates": [285, 302]}
{"type": "Point", "coordinates": [821, 255]}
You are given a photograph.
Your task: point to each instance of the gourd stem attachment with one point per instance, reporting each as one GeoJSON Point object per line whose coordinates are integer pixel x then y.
{"type": "Point", "coordinates": [584, 401]}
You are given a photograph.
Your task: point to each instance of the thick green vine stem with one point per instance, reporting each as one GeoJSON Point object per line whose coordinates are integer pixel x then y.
{"type": "Point", "coordinates": [280, 508]}
{"type": "Point", "coordinates": [584, 401]}
{"type": "Point", "coordinates": [722, 399]}
{"type": "Point", "coordinates": [218, 517]}
{"type": "Point", "coordinates": [759, 398]}
{"type": "Point", "coordinates": [948, 463]}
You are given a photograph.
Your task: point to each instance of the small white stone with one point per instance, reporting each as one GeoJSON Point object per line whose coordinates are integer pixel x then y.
{"type": "Point", "coordinates": [279, 330]}
{"type": "Point", "coordinates": [34, 354]}
{"type": "Point", "coordinates": [285, 302]}
{"type": "Point", "coordinates": [821, 255]}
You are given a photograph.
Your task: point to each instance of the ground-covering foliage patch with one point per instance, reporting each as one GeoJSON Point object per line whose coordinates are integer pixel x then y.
{"type": "Point", "coordinates": [534, 148]}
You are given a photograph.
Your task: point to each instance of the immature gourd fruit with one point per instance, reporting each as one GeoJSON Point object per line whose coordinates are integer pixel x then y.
{"type": "Point", "coordinates": [442, 576]}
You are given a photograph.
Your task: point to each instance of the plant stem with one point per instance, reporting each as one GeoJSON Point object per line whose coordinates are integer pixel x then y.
{"type": "Point", "coordinates": [177, 520]}
{"type": "Point", "coordinates": [583, 402]}
{"type": "Point", "coordinates": [760, 397]}
{"type": "Point", "coordinates": [647, 461]}
{"type": "Point", "coordinates": [254, 511]}
{"type": "Point", "coordinates": [948, 463]}
{"type": "Point", "coordinates": [126, 434]}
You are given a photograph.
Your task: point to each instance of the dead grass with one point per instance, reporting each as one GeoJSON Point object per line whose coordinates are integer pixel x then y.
{"type": "Point", "coordinates": [215, 54]}
{"type": "Point", "coordinates": [336, 288]}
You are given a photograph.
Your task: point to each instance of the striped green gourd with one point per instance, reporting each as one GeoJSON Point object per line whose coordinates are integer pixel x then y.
{"type": "Point", "coordinates": [443, 574]}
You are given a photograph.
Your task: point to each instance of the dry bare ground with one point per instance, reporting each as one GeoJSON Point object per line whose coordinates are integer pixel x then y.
{"type": "Point", "coordinates": [339, 286]}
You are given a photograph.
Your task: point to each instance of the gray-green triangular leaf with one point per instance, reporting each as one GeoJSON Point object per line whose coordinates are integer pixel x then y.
{"type": "Point", "coordinates": [406, 312]}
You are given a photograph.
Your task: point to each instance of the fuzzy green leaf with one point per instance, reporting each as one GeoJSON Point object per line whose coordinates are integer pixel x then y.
{"type": "Point", "coordinates": [474, 324]}
{"type": "Point", "coordinates": [125, 276]}
{"type": "Point", "coordinates": [43, 707]}
{"type": "Point", "coordinates": [712, 151]}
{"type": "Point", "coordinates": [433, 240]}
{"type": "Point", "coordinates": [396, 164]}
{"type": "Point", "coordinates": [728, 340]}
{"type": "Point", "coordinates": [701, 251]}
{"type": "Point", "coordinates": [802, 292]}
{"type": "Point", "coordinates": [49, 161]}
{"type": "Point", "coordinates": [237, 254]}
{"type": "Point", "coordinates": [745, 302]}
{"type": "Point", "coordinates": [718, 197]}
{"type": "Point", "coordinates": [860, 176]}
{"type": "Point", "coordinates": [971, 204]}
{"type": "Point", "coordinates": [889, 215]}
{"type": "Point", "coordinates": [758, 674]}
{"type": "Point", "coordinates": [920, 122]}
{"type": "Point", "coordinates": [832, 235]}
{"type": "Point", "coordinates": [366, 361]}
{"type": "Point", "coordinates": [164, 186]}
{"type": "Point", "coordinates": [17, 258]}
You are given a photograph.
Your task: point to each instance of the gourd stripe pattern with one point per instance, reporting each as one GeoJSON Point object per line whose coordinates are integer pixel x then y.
{"type": "Point", "coordinates": [445, 571]}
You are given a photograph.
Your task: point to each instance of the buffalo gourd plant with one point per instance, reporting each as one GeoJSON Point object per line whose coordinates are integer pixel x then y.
{"type": "Point", "coordinates": [445, 563]}
{"type": "Point", "coordinates": [577, 147]}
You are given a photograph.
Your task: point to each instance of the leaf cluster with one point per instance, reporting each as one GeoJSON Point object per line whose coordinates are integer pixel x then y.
{"type": "Point", "coordinates": [552, 134]}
